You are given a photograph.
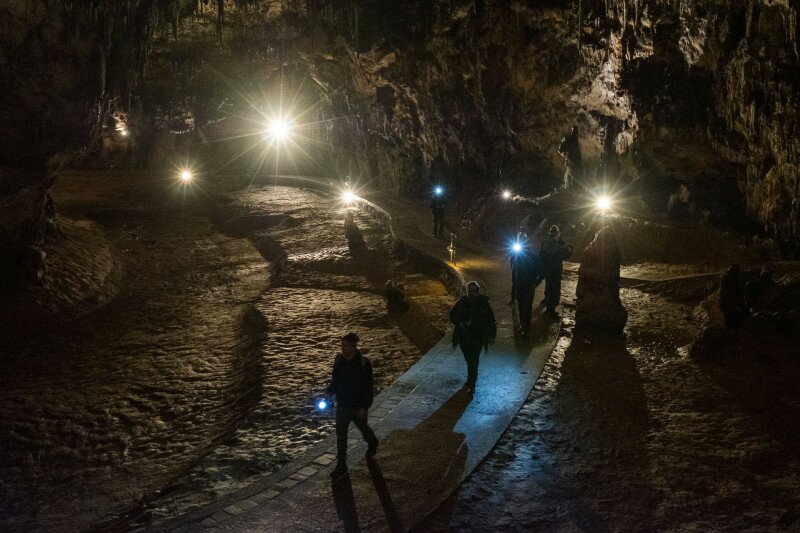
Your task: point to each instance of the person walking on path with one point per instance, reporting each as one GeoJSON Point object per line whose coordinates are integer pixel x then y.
{"type": "Point", "coordinates": [553, 253]}
{"type": "Point", "coordinates": [438, 203]}
{"type": "Point", "coordinates": [352, 384]}
{"type": "Point", "coordinates": [512, 256]}
{"type": "Point", "coordinates": [475, 328]}
{"type": "Point", "coordinates": [527, 274]}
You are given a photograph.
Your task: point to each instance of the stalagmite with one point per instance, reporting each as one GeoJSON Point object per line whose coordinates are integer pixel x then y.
{"type": "Point", "coordinates": [598, 304]}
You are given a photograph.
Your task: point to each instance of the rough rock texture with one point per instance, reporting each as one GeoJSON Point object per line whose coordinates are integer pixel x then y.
{"type": "Point", "coordinates": [598, 303]}
{"type": "Point", "coordinates": [61, 66]}
{"type": "Point", "coordinates": [717, 82]}
{"type": "Point", "coordinates": [475, 94]}
{"type": "Point", "coordinates": [768, 328]}
{"type": "Point", "coordinates": [695, 92]}
{"type": "Point", "coordinates": [471, 90]}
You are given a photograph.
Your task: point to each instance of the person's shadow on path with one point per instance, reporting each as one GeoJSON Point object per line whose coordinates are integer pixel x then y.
{"type": "Point", "coordinates": [345, 503]}
{"type": "Point", "coordinates": [414, 469]}
{"type": "Point", "coordinates": [379, 482]}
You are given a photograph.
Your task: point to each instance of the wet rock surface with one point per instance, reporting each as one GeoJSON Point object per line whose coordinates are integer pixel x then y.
{"type": "Point", "coordinates": [634, 434]}
{"type": "Point", "coordinates": [80, 275]}
{"type": "Point", "coordinates": [321, 292]}
{"type": "Point", "coordinates": [196, 378]}
{"type": "Point", "coordinates": [98, 413]}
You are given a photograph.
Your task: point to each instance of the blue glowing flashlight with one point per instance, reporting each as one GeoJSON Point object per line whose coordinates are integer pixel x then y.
{"type": "Point", "coordinates": [322, 405]}
{"type": "Point", "coordinates": [438, 190]}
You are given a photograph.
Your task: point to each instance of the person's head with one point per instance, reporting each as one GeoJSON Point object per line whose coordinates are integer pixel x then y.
{"type": "Point", "coordinates": [349, 344]}
{"type": "Point", "coordinates": [553, 232]}
{"type": "Point", "coordinates": [473, 289]}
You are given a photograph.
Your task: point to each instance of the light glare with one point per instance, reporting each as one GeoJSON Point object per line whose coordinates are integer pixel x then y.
{"type": "Point", "coordinates": [278, 129]}
{"type": "Point", "coordinates": [438, 190]}
{"type": "Point", "coordinates": [517, 247]}
{"type": "Point", "coordinates": [186, 175]}
{"type": "Point", "coordinates": [506, 194]}
{"type": "Point", "coordinates": [603, 203]}
{"type": "Point", "coordinates": [348, 197]}
{"type": "Point", "coordinates": [322, 405]}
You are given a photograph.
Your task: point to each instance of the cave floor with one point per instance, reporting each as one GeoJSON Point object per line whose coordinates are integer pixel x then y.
{"type": "Point", "coordinates": [632, 434]}
{"type": "Point", "coordinates": [433, 433]}
{"type": "Point", "coordinates": [636, 435]}
{"type": "Point", "coordinates": [199, 376]}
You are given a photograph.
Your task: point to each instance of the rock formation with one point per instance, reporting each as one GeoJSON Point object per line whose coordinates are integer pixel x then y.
{"type": "Point", "coordinates": [61, 66]}
{"type": "Point", "coordinates": [701, 93]}
{"type": "Point", "coordinates": [598, 304]}
{"type": "Point", "coordinates": [353, 234]}
{"type": "Point", "coordinates": [664, 94]}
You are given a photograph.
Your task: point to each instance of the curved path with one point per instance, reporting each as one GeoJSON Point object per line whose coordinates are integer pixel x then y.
{"type": "Point", "coordinates": [432, 434]}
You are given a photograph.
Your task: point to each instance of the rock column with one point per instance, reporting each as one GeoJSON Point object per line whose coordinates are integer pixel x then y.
{"type": "Point", "coordinates": [598, 305]}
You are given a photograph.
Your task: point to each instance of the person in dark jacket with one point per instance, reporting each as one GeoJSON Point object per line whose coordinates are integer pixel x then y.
{"type": "Point", "coordinates": [553, 253]}
{"type": "Point", "coordinates": [438, 203]}
{"type": "Point", "coordinates": [527, 272]}
{"type": "Point", "coordinates": [513, 276]}
{"type": "Point", "coordinates": [522, 238]}
{"type": "Point", "coordinates": [351, 383]}
{"type": "Point", "coordinates": [475, 328]}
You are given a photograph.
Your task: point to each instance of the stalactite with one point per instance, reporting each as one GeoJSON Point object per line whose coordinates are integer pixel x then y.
{"type": "Point", "coordinates": [220, 18]}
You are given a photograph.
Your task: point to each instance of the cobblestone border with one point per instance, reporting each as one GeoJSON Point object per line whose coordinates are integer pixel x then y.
{"type": "Point", "coordinates": [318, 459]}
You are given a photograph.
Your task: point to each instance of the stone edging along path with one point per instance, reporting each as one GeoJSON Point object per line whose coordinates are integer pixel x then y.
{"type": "Point", "coordinates": [433, 434]}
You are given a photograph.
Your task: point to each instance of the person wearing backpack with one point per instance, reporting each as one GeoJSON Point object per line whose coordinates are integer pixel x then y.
{"type": "Point", "coordinates": [475, 328]}
{"type": "Point", "coordinates": [352, 384]}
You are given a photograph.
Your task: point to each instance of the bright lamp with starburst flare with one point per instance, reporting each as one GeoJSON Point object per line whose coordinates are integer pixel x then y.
{"type": "Point", "coordinates": [279, 129]}
{"type": "Point", "coordinates": [348, 196]}
{"type": "Point", "coordinates": [603, 203]}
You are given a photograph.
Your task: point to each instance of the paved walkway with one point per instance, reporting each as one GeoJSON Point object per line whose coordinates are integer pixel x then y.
{"type": "Point", "coordinates": [433, 435]}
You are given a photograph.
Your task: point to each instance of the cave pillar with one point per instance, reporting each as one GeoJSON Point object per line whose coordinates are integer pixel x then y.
{"type": "Point", "coordinates": [598, 304]}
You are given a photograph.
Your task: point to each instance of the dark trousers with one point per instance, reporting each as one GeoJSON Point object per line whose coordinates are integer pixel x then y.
{"type": "Point", "coordinates": [472, 354]}
{"type": "Point", "coordinates": [524, 304]}
{"type": "Point", "coordinates": [552, 291]}
{"type": "Point", "coordinates": [438, 223]}
{"type": "Point", "coordinates": [345, 415]}
{"type": "Point", "coordinates": [513, 286]}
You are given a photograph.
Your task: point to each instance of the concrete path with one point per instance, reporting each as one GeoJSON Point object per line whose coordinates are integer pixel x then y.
{"type": "Point", "coordinates": [432, 433]}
